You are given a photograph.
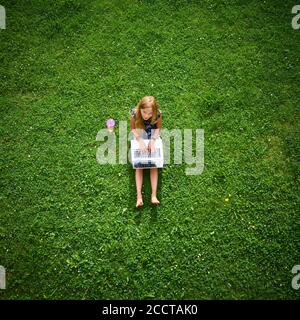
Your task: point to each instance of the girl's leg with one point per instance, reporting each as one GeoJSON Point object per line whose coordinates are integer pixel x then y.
{"type": "Point", "coordinates": [154, 180]}
{"type": "Point", "coordinates": [139, 183]}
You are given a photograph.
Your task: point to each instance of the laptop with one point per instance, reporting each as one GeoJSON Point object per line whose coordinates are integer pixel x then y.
{"type": "Point", "coordinates": [147, 160]}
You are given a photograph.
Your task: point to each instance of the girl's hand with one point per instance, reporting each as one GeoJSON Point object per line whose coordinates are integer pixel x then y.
{"type": "Point", "coordinates": [143, 147]}
{"type": "Point", "coordinates": [151, 146]}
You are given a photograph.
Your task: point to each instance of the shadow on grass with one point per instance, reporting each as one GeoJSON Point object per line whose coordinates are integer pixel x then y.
{"type": "Point", "coordinates": [146, 191]}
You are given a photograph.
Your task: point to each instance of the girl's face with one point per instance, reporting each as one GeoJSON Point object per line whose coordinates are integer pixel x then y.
{"type": "Point", "coordinates": [146, 113]}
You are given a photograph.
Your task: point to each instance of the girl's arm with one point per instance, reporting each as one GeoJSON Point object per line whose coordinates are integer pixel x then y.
{"type": "Point", "coordinates": [133, 129]}
{"type": "Point", "coordinates": [137, 135]}
{"type": "Point", "coordinates": [159, 125]}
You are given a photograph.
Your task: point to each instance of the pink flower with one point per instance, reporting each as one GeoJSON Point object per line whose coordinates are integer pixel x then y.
{"type": "Point", "coordinates": [110, 123]}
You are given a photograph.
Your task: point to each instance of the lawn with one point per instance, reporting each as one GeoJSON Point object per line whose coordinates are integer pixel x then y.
{"type": "Point", "coordinates": [69, 228]}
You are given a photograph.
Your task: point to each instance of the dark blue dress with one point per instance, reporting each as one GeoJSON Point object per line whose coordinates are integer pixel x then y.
{"type": "Point", "coordinates": [147, 123]}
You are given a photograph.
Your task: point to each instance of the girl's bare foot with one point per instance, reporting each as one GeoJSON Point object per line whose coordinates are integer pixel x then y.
{"type": "Point", "coordinates": [154, 200]}
{"type": "Point", "coordinates": [139, 202]}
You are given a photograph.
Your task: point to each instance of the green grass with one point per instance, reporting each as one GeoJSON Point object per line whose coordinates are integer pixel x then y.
{"type": "Point", "coordinates": [68, 226]}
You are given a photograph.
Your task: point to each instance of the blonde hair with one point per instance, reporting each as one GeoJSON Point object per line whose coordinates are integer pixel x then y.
{"type": "Point", "coordinates": [146, 102]}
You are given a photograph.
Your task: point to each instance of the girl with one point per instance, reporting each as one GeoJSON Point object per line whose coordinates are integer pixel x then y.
{"type": "Point", "coordinates": [148, 117]}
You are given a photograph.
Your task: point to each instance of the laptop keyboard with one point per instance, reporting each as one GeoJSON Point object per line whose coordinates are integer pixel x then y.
{"type": "Point", "coordinates": [148, 154]}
